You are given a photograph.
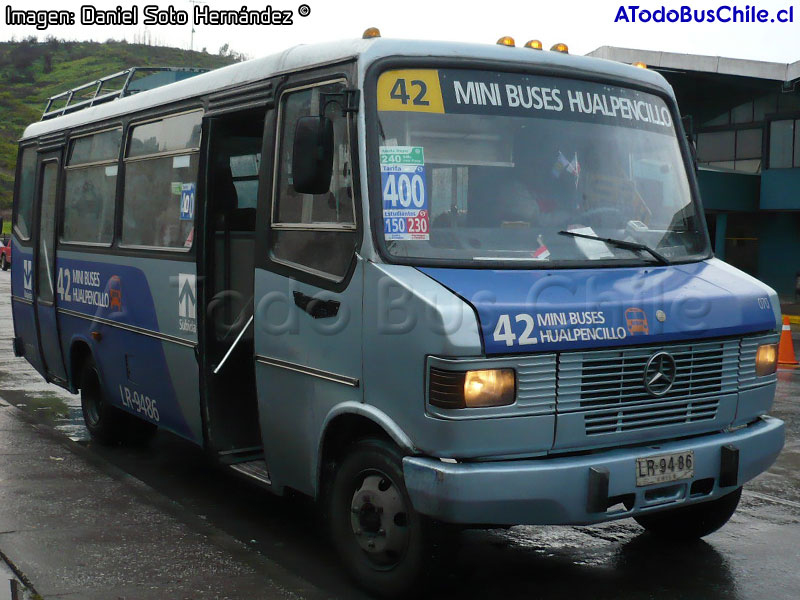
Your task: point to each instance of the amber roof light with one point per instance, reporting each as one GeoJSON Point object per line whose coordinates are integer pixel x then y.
{"type": "Point", "coordinates": [371, 32]}
{"type": "Point", "coordinates": [506, 40]}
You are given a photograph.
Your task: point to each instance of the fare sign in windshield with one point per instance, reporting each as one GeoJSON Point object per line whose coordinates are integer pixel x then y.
{"type": "Point", "coordinates": [461, 91]}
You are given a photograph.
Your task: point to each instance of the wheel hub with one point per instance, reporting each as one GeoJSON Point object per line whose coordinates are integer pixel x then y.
{"type": "Point", "coordinates": [379, 518]}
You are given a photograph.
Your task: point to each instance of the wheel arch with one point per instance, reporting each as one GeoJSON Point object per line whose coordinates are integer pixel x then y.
{"type": "Point", "coordinates": [351, 421]}
{"type": "Point", "coordinates": [79, 350]}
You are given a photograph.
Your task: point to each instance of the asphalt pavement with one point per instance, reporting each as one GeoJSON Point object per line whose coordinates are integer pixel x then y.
{"type": "Point", "coordinates": [79, 520]}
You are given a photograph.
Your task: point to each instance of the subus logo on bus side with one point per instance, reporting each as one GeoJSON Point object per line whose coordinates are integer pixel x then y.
{"type": "Point", "coordinates": [187, 302]}
{"type": "Point", "coordinates": [27, 275]}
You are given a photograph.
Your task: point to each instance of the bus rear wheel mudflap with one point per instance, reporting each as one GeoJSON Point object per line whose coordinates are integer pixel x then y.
{"type": "Point", "coordinates": [384, 543]}
{"type": "Point", "coordinates": [106, 423]}
{"type": "Point", "coordinates": [691, 522]}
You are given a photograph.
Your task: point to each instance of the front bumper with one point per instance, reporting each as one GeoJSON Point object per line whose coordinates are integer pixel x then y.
{"type": "Point", "coordinates": [577, 490]}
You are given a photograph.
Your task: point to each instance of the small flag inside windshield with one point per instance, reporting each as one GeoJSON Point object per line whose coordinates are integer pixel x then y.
{"type": "Point", "coordinates": [564, 165]}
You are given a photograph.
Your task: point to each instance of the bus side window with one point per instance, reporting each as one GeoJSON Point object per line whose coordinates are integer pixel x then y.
{"type": "Point", "coordinates": [327, 240]}
{"type": "Point", "coordinates": [23, 222]}
{"type": "Point", "coordinates": [91, 185]}
{"type": "Point", "coordinates": [160, 182]}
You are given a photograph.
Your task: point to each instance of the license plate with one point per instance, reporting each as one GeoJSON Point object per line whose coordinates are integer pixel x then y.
{"type": "Point", "coordinates": [664, 468]}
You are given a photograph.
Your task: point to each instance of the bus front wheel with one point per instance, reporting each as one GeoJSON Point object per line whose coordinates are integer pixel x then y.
{"type": "Point", "coordinates": [694, 521]}
{"type": "Point", "coordinates": [383, 542]}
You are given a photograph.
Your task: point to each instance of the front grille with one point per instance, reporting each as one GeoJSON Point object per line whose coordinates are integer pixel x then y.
{"type": "Point", "coordinates": [607, 386]}
{"type": "Point", "coordinates": [665, 413]}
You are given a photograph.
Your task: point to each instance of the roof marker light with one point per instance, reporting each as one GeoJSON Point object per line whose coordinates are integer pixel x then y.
{"type": "Point", "coordinates": [371, 32]}
{"type": "Point", "coordinates": [533, 44]}
{"type": "Point", "coordinates": [639, 64]}
{"type": "Point", "coordinates": [563, 48]}
{"type": "Point", "coordinates": [506, 40]}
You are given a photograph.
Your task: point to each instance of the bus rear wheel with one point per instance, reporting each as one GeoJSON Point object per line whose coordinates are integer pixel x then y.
{"type": "Point", "coordinates": [383, 542]}
{"type": "Point", "coordinates": [692, 522]}
{"type": "Point", "coordinates": [107, 424]}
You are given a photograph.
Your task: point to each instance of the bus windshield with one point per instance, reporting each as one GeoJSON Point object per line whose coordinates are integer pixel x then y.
{"type": "Point", "coordinates": [481, 166]}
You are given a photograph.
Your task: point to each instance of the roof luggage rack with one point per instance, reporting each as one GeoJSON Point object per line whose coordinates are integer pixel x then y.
{"type": "Point", "coordinates": [125, 83]}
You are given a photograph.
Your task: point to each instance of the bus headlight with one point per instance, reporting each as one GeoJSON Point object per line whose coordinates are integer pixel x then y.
{"type": "Point", "coordinates": [489, 387]}
{"type": "Point", "coordinates": [471, 389]}
{"type": "Point", "coordinates": [766, 359]}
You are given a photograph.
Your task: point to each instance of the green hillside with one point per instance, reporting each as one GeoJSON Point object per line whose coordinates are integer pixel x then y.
{"type": "Point", "coordinates": [32, 71]}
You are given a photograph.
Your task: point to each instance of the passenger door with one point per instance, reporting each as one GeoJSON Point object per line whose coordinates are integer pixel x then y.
{"type": "Point", "coordinates": [45, 267]}
{"type": "Point", "coordinates": [308, 291]}
{"type": "Point", "coordinates": [26, 341]}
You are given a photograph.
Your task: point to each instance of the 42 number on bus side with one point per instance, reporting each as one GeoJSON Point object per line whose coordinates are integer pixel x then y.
{"type": "Point", "coordinates": [63, 285]}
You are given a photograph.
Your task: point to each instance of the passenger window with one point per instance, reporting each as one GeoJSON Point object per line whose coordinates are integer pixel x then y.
{"type": "Point", "coordinates": [160, 183]}
{"type": "Point", "coordinates": [244, 171]}
{"type": "Point", "coordinates": [46, 231]}
{"type": "Point", "coordinates": [315, 232]}
{"type": "Point", "coordinates": [180, 132]}
{"type": "Point", "coordinates": [23, 221]}
{"type": "Point", "coordinates": [91, 185]}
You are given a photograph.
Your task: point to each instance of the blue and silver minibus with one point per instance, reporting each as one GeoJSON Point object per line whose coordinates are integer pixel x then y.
{"type": "Point", "coordinates": [431, 285]}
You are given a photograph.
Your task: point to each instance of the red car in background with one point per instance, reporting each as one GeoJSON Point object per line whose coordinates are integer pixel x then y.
{"type": "Point", "coordinates": [5, 253]}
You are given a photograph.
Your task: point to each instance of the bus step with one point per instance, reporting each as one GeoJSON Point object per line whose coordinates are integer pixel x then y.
{"type": "Point", "coordinates": [240, 455]}
{"type": "Point", "coordinates": [255, 469]}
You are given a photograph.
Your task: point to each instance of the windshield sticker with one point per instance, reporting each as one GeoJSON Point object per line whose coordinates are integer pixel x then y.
{"type": "Point", "coordinates": [187, 202]}
{"type": "Point", "coordinates": [459, 91]}
{"type": "Point", "coordinates": [405, 199]}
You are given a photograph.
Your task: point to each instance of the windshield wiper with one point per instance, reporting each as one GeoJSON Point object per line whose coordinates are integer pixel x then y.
{"type": "Point", "coordinates": [621, 244]}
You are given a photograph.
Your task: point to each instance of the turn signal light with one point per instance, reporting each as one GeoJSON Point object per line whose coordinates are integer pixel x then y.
{"type": "Point", "coordinates": [506, 40]}
{"type": "Point", "coordinates": [639, 64]}
{"type": "Point", "coordinates": [563, 48]}
{"type": "Point", "coordinates": [371, 32]}
{"type": "Point", "coordinates": [766, 359]}
{"type": "Point", "coordinates": [534, 44]}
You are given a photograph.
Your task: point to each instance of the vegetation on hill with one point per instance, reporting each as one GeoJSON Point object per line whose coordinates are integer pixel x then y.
{"type": "Point", "coordinates": [32, 71]}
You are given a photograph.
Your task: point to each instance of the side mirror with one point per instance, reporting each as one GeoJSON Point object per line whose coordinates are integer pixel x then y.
{"type": "Point", "coordinates": [312, 156]}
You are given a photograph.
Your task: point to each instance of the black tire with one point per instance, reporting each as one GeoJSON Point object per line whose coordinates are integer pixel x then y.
{"type": "Point", "coordinates": [367, 495]}
{"type": "Point", "coordinates": [107, 424]}
{"type": "Point", "coordinates": [3, 262]}
{"type": "Point", "coordinates": [692, 522]}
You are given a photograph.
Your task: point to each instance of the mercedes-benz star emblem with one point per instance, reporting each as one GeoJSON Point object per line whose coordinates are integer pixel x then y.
{"type": "Point", "coordinates": [659, 373]}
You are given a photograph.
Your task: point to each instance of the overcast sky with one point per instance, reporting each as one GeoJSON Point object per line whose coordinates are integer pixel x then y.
{"type": "Point", "coordinates": [583, 24]}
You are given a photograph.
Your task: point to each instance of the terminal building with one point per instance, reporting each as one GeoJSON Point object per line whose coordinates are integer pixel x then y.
{"type": "Point", "coordinates": [744, 116]}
